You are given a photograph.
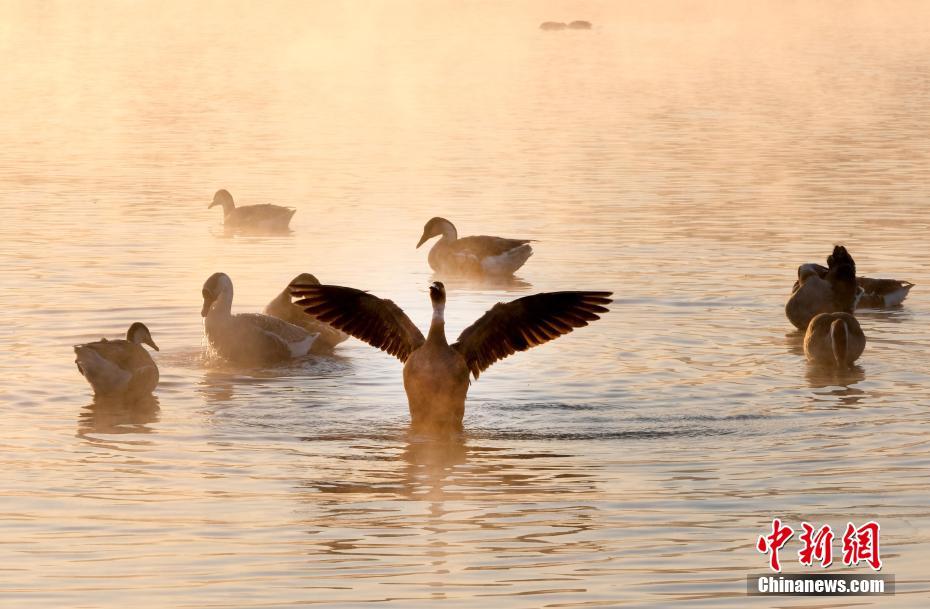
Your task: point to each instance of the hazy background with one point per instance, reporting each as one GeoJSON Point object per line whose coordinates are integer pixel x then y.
{"type": "Point", "coordinates": [686, 155]}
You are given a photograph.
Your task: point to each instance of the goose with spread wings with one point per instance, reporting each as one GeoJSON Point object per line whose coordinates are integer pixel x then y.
{"type": "Point", "coordinates": [436, 374]}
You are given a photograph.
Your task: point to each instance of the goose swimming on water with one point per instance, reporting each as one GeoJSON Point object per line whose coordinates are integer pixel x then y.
{"type": "Point", "coordinates": [119, 367]}
{"type": "Point", "coordinates": [479, 255]}
{"type": "Point", "coordinates": [259, 217]}
{"type": "Point", "coordinates": [282, 308]}
{"type": "Point", "coordinates": [835, 339]}
{"type": "Point", "coordinates": [249, 338]}
{"type": "Point", "coordinates": [436, 374]}
{"type": "Point", "coordinates": [835, 292]}
{"type": "Point", "coordinates": [875, 293]}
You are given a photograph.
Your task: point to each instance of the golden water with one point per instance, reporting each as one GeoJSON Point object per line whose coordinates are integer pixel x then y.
{"type": "Point", "coordinates": [686, 155]}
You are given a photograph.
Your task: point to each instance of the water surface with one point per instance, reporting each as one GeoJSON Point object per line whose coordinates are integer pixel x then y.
{"type": "Point", "coordinates": [685, 156]}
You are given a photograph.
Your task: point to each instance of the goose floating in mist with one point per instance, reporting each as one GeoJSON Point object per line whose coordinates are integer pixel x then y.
{"type": "Point", "coordinates": [282, 308]}
{"type": "Point", "coordinates": [436, 374]}
{"type": "Point", "coordinates": [119, 367]}
{"type": "Point", "coordinates": [834, 339]}
{"type": "Point", "coordinates": [579, 24]}
{"type": "Point", "coordinates": [250, 338]}
{"type": "Point", "coordinates": [258, 217]}
{"type": "Point", "coordinates": [835, 292]}
{"type": "Point", "coordinates": [875, 294]}
{"type": "Point", "coordinates": [480, 255]}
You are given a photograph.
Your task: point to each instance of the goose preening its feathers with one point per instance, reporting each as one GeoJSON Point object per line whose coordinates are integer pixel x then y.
{"type": "Point", "coordinates": [264, 217]}
{"type": "Point", "coordinates": [282, 308]}
{"type": "Point", "coordinates": [834, 339]}
{"type": "Point", "coordinates": [835, 292]}
{"type": "Point", "coordinates": [249, 338]}
{"type": "Point", "coordinates": [436, 374]}
{"type": "Point", "coordinates": [874, 294]}
{"type": "Point", "coordinates": [816, 298]}
{"type": "Point", "coordinates": [480, 255]}
{"type": "Point", "coordinates": [119, 367]}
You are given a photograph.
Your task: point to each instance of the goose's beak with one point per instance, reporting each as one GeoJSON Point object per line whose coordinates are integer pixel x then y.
{"type": "Point", "coordinates": [423, 240]}
{"type": "Point", "coordinates": [208, 299]}
{"type": "Point", "coordinates": [212, 204]}
{"type": "Point", "coordinates": [151, 343]}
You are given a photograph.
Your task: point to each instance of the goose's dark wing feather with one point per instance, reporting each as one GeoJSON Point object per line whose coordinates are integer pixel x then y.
{"type": "Point", "coordinates": [527, 322]}
{"type": "Point", "coordinates": [377, 321]}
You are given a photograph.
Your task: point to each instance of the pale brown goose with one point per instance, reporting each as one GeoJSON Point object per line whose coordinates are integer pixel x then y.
{"type": "Point", "coordinates": [266, 216]}
{"type": "Point", "coordinates": [436, 374]}
{"type": "Point", "coordinates": [479, 255]}
{"type": "Point", "coordinates": [119, 367]}
{"type": "Point", "coordinates": [249, 338]}
{"type": "Point", "coordinates": [835, 292]}
{"type": "Point", "coordinates": [834, 339]}
{"type": "Point", "coordinates": [282, 308]}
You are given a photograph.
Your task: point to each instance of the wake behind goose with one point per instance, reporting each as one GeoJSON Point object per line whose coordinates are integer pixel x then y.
{"type": "Point", "coordinates": [436, 374]}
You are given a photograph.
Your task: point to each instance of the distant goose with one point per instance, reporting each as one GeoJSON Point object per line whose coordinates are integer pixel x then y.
{"type": "Point", "coordinates": [835, 292]}
{"type": "Point", "coordinates": [479, 255]}
{"type": "Point", "coordinates": [834, 339]}
{"type": "Point", "coordinates": [259, 217]}
{"type": "Point", "coordinates": [580, 25]}
{"type": "Point", "coordinates": [876, 293]}
{"type": "Point", "coordinates": [119, 367]}
{"type": "Point", "coordinates": [249, 338]}
{"type": "Point", "coordinates": [282, 308]}
{"type": "Point", "coordinates": [436, 374]}
{"type": "Point", "coordinates": [552, 25]}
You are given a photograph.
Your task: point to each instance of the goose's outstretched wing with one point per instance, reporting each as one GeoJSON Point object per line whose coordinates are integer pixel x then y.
{"type": "Point", "coordinates": [377, 321]}
{"type": "Point", "coordinates": [526, 322]}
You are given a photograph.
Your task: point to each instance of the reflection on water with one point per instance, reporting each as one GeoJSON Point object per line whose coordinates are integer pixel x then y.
{"type": "Point", "coordinates": [840, 382]}
{"type": "Point", "coordinates": [108, 415]}
{"type": "Point", "coordinates": [489, 282]}
{"type": "Point", "coordinates": [686, 156]}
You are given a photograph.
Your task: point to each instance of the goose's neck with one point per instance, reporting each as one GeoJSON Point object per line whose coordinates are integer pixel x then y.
{"type": "Point", "coordinates": [222, 306]}
{"type": "Point", "coordinates": [437, 327]}
{"type": "Point", "coordinates": [449, 234]}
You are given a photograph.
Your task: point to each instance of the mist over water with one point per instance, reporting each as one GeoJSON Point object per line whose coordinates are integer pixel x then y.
{"type": "Point", "coordinates": [686, 156]}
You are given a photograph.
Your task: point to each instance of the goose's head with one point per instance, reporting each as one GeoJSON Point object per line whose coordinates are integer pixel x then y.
{"type": "Point", "coordinates": [303, 278]}
{"type": "Point", "coordinates": [437, 294]}
{"type": "Point", "coordinates": [222, 198]}
{"type": "Point", "coordinates": [218, 284]}
{"type": "Point", "coordinates": [138, 333]}
{"type": "Point", "coordinates": [841, 256]}
{"type": "Point", "coordinates": [435, 227]}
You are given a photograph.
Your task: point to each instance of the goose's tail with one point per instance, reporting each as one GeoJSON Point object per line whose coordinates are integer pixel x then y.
{"type": "Point", "coordinates": [839, 337]}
